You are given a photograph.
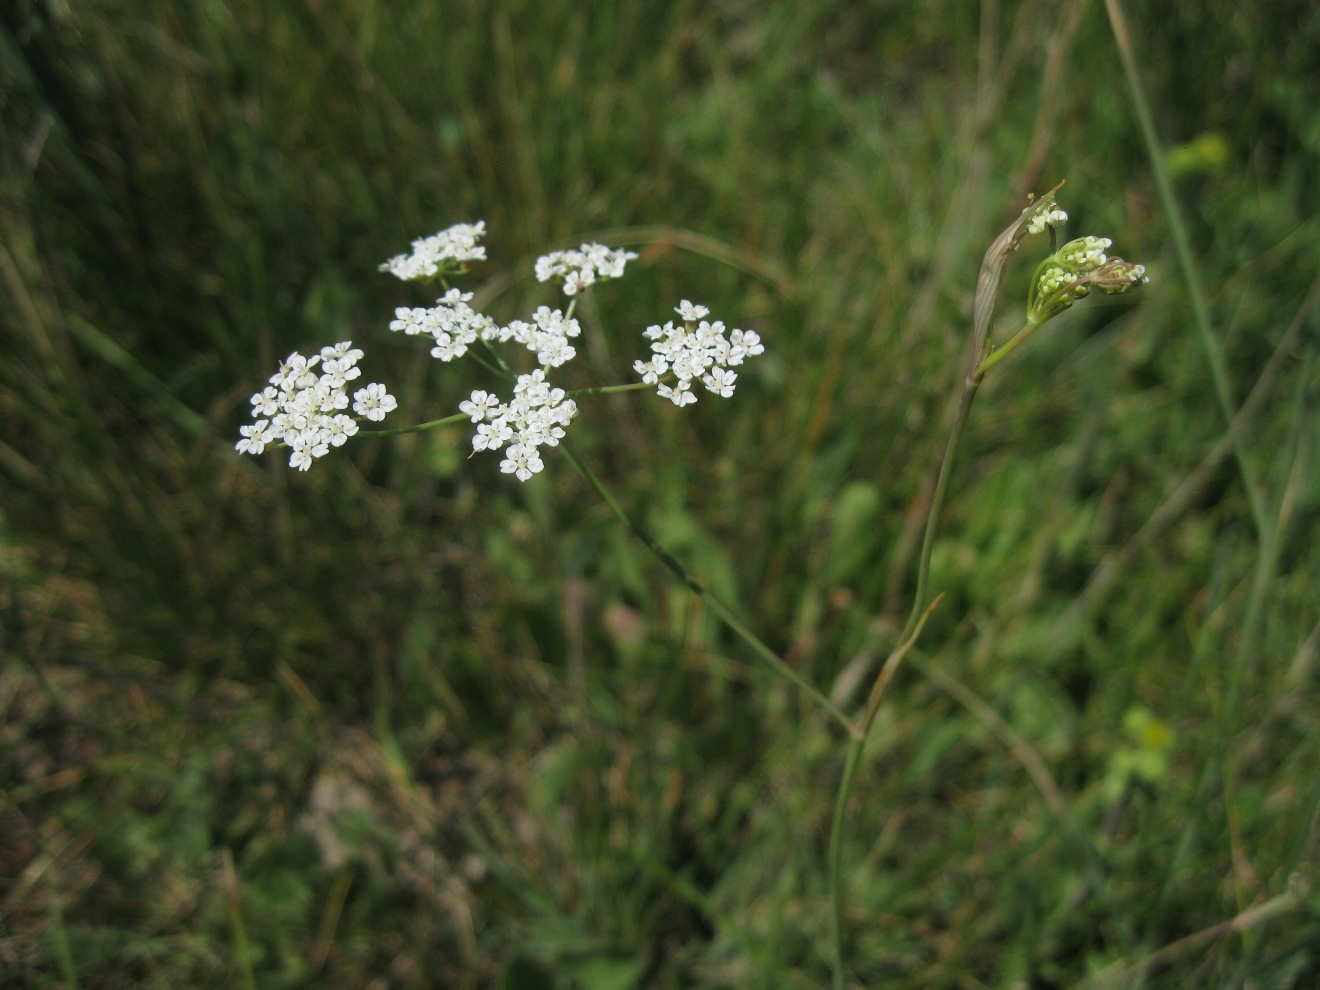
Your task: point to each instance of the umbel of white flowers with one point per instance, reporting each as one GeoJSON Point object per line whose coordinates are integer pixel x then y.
{"type": "Point", "coordinates": [302, 409]}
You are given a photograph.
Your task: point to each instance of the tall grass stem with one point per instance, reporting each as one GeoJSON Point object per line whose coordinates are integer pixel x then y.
{"type": "Point", "coordinates": [1164, 185]}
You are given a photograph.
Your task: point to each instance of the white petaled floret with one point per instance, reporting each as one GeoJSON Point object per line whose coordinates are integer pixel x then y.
{"type": "Point", "coordinates": [720, 381]}
{"type": "Point", "coordinates": [301, 406]}
{"type": "Point", "coordinates": [1043, 219]}
{"type": "Point", "coordinates": [440, 254]}
{"type": "Point", "coordinates": [479, 405]}
{"type": "Point", "coordinates": [307, 444]}
{"type": "Point", "coordinates": [695, 350]}
{"type": "Point", "coordinates": [521, 461]}
{"type": "Point", "coordinates": [339, 429]}
{"type": "Point", "coordinates": [583, 267]}
{"type": "Point", "coordinates": [411, 320]}
{"type": "Point", "coordinates": [535, 417]}
{"type": "Point", "coordinates": [255, 437]}
{"type": "Point", "coordinates": [691, 312]}
{"type": "Point", "coordinates": [373, 402]}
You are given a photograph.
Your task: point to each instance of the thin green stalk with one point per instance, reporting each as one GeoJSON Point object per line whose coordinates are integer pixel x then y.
{"type": "Point", "coordinates": [242, 951]}
{"type": "Point", "coordinates": [609, 389]}
{"type": "Point", "coordinates": [999, 353]}
{"type": "Point", "coordinates": [1265, 524]}
{"type": "Point", "coordinates": [722, 611]}
{"type": "Point", "coordinates": [982, 356]}
{"type": "Point", "coordinates": [836, 855]}
{"type": "Point", "coordinates": [420, 427]}
{"type": "Point", "coordinates": [970, 386]}
{"type": "Point", "coordinates": [1164, 185]}
{"type": "Point", "coordinates": [916, 621]}
{"type": "Point", "coordinates": [60, 939]}
{"type": "Point", "coordinates": [849, 777]}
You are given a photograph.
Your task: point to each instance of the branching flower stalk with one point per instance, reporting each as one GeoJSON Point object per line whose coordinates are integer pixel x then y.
{"type": "Point", "coordinates": [1062, 279]}
{"type": "Point", "coordinates": [301, 407]}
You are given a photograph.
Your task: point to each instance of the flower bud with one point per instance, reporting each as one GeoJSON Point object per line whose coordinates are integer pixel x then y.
{"type": "Point", "coordinates": [1118, 276]}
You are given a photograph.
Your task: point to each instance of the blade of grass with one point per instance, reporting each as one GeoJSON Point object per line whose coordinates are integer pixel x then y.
{"type": "Point", "coordinates": [1214, 354]}
{"type": "Point", "coordinates": [242, 952]}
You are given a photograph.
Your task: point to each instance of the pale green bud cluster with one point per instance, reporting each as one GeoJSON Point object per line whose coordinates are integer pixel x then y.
{"type": "Point", "coordinates": [1119, 276]}
{"type": "Point", "coordinates": [1084, 254]}
{"type": "Point", "coordinates": [1069, 273]}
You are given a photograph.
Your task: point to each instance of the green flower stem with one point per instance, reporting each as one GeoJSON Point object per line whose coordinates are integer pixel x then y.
{"type": "Point", "coordinates": [725, 614]}
{"type": "Point", "coordinates": [999, 353]}
{"type": "Point", "coordinates": [849, 777]}
{"type": "Point", "coordinates": [500, 368]}
{"type": "Point", "coordinates": [983, 363]}
{"type": "Point", "coordinates": [836, 856]}
{"type": "Point", "coordinates": [610, 389]}
{"type": "Point", "coordinates": [972, 383]}
{"type": "Point", "coordinates": [420, 427]}
{"type": "Point", "coordinates": [983, 358]}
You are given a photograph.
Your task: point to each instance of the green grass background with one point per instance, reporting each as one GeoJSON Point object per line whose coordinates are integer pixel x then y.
{"type": "Point", "coordinates": [403, 722]}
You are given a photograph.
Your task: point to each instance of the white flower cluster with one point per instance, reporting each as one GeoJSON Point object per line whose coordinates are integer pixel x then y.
{"type": "Point", "coordinates": [304, 406]}
{"type": "Point", "coordinates": [535, 418]}
{"type": "Point", "coordinates": [455, 326]}
{"type": "Point", "coordinates": [547, 336]}
{"type": "Point", "coordinates": [440, 253]}
{"type": "Point", "coordinates": [1044, 219]}
{"type": "Point", "coordinates": [452, 323]}
{"type": "Point", "coordinates": [695, 349]}
{"type": "Point", "coordinates": [584, 267]}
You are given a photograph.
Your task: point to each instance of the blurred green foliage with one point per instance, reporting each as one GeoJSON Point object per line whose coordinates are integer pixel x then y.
{"type": "Point", "coordinates": [402, 722]}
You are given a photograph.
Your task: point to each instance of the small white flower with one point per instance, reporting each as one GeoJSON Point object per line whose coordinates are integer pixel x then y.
{"type": "Point", "coordinates": [492, 436]}
{"type": "Point", "coordinates": [340, 429]}
{"type": "Point", "coordinates": [266, 402]}
{"type": "Point", "coordinates": [343, 353]}
{"type": "Point", "coordinates": [651, 371]}
{"type": "Point", "coordinates": [720, 382]}
{"type": "Point", "coordinates": [521, 461]}
{"type": "Point", "coordinates": [479, 405]}
{"type": "Point", "coordinates": [690, 312]}
{"type": "Point", "coordinates": [307, 445]}
{"type": "Point", "coordinates": [746, 343]}
{"type": "Point", "coordinates": [255, 437]}
{"type": "Point", "coordinates": [410, 321]}
{"type": "Point", "coordinates": [373, 402]}
{"type": "Point", "coordinates": [680, 395]}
